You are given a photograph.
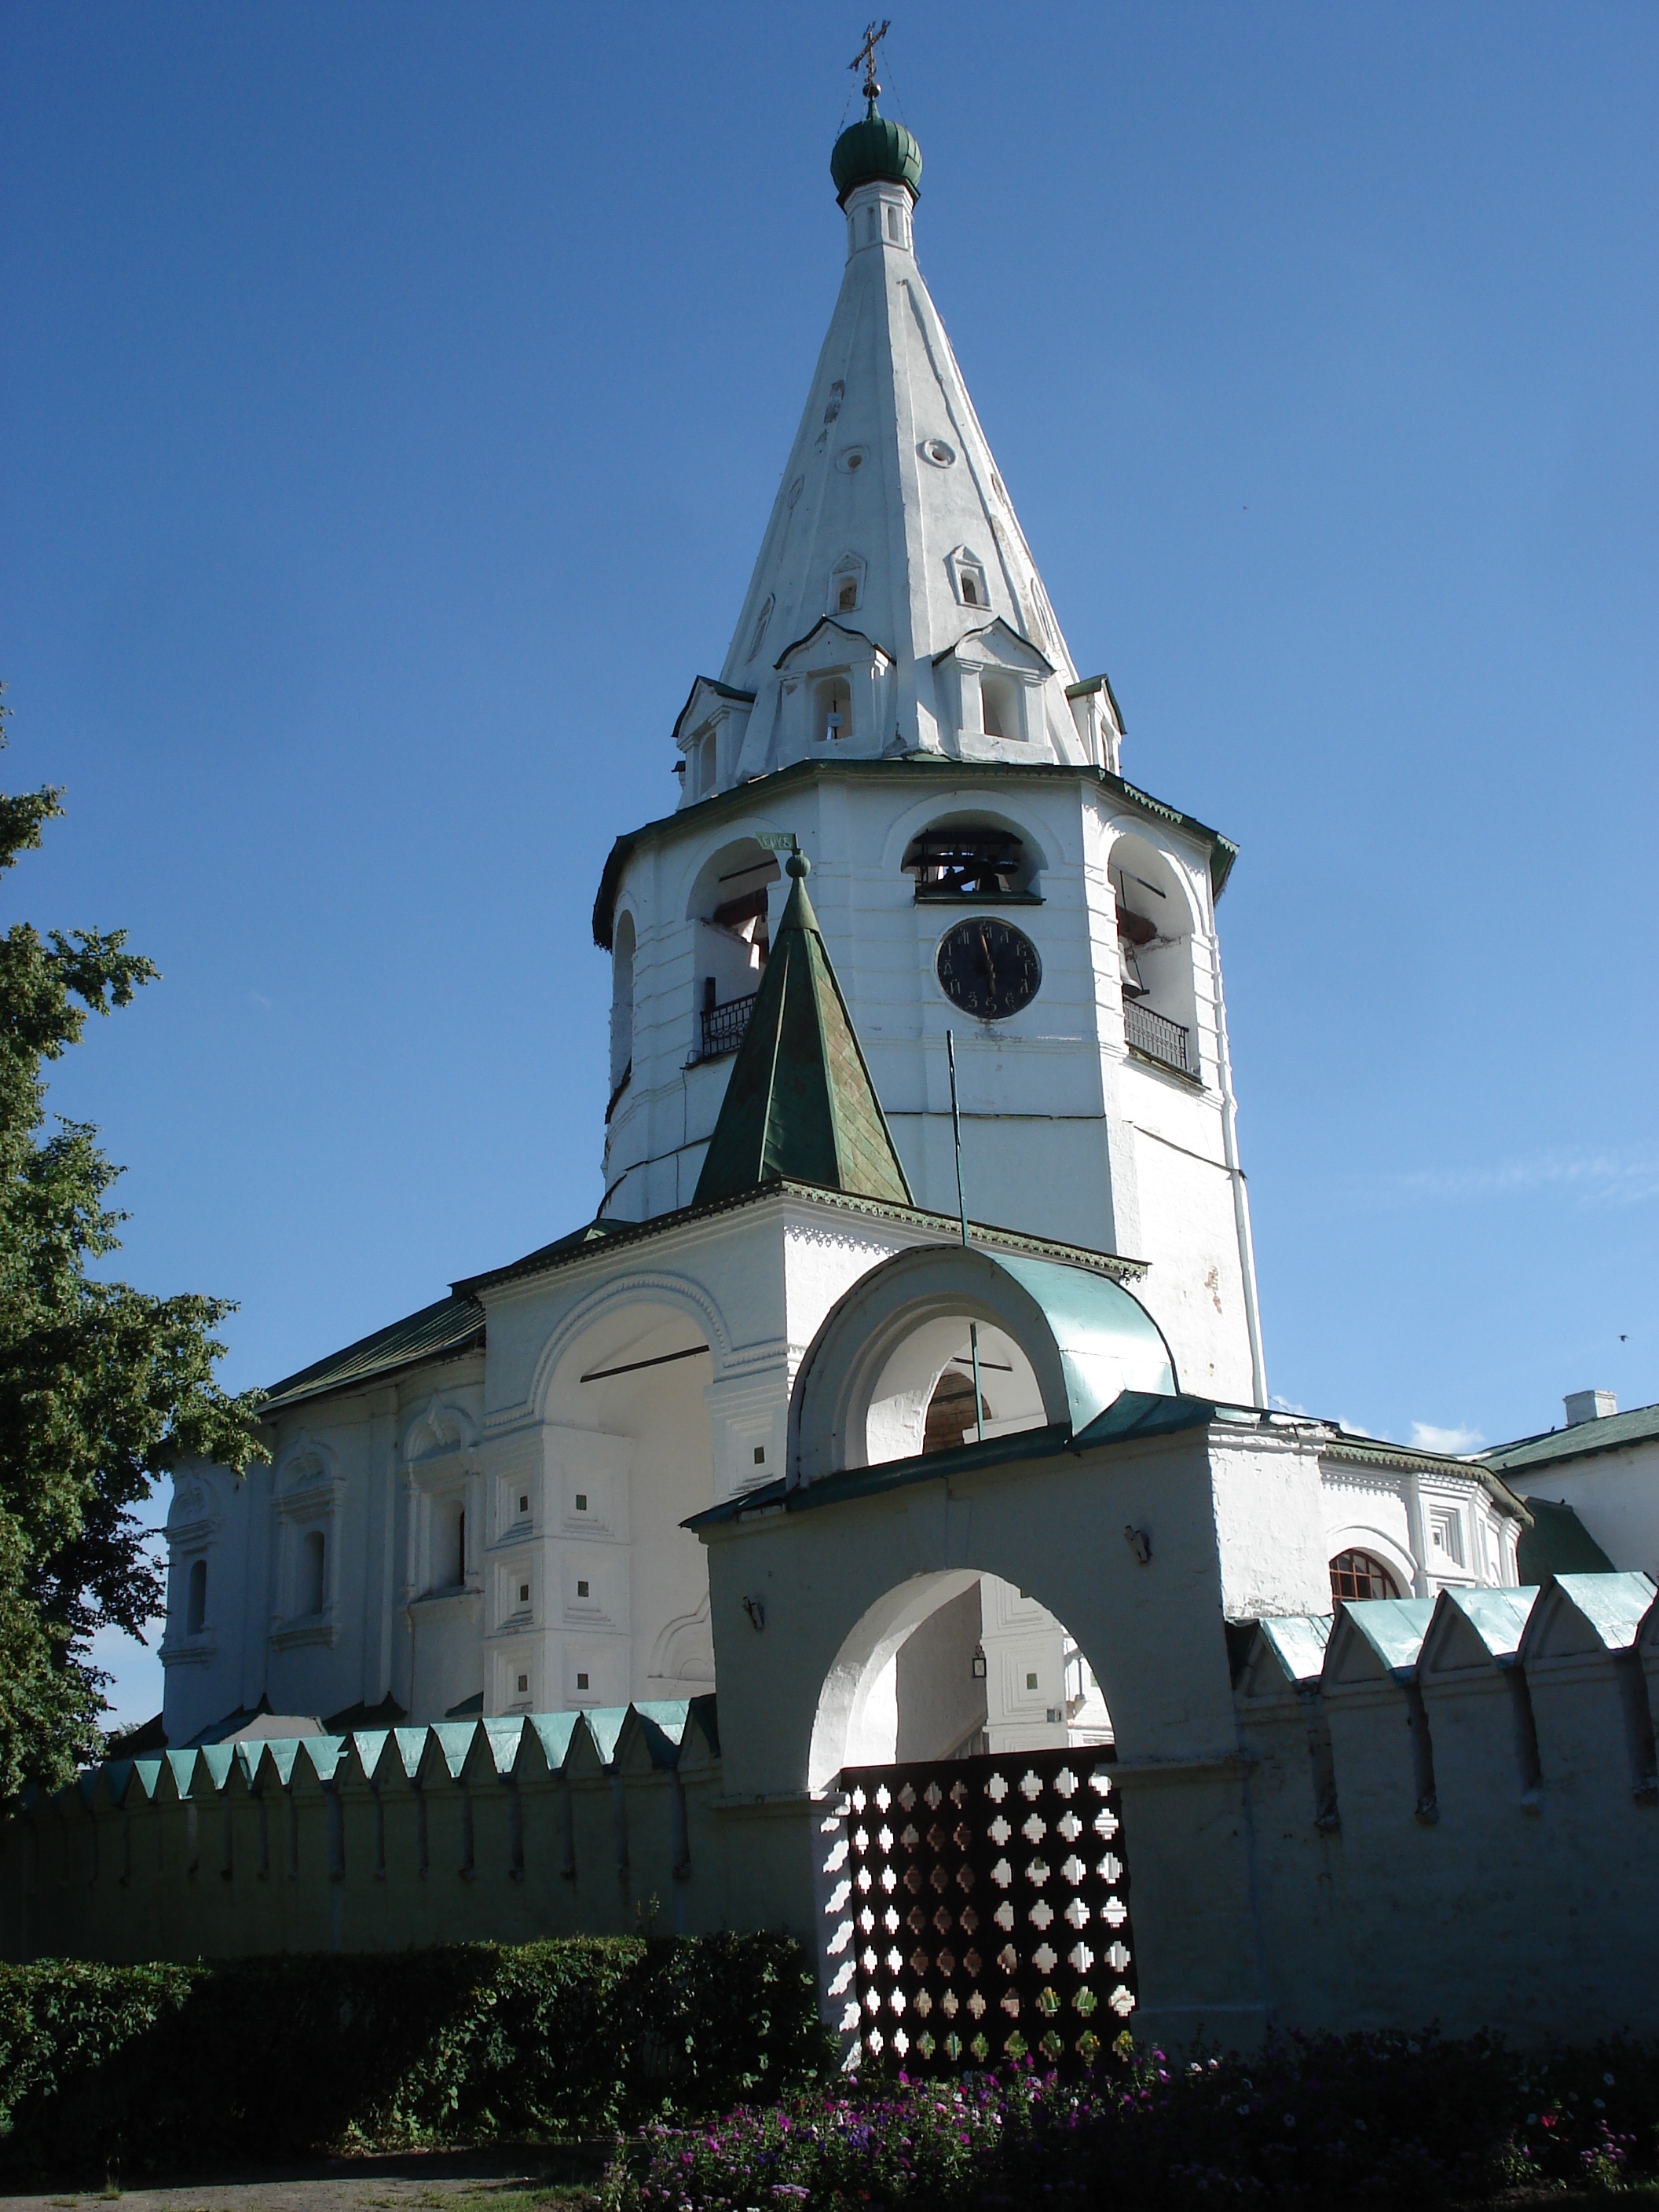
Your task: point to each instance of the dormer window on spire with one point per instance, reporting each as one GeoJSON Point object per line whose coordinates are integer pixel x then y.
{"type": "Point", "coordinates": [846, 585]}
{"type": "Point", "coordinates": [968, 578]}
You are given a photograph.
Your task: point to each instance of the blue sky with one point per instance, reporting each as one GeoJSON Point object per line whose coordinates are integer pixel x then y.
{"type": "Point", "coordinates": [390, 403]}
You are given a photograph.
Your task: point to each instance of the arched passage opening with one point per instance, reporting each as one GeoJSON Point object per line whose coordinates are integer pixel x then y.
{"type": "Point", "coordinates": [978, 1900]}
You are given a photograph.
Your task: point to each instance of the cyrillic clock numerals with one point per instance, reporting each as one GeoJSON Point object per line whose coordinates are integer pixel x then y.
{"type": "Point", "coordinates": [989, 968]}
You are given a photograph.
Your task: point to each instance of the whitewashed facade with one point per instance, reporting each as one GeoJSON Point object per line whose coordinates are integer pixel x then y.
{"type": "Point", "coordinates": [480, 1510]}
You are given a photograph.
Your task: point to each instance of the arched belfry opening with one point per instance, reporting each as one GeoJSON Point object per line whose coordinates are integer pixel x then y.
{"type": "Point", "coordinates": [1155, 957]}
{"type": "Point", "coordinates": [730, 908]}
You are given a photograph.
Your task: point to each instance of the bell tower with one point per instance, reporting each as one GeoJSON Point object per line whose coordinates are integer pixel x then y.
{"type": "Point", "coordinates": [898, 702]}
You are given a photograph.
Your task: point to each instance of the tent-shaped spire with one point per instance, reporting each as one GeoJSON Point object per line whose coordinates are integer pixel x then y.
{"type": "Point", "coordinates": [800, 1105]}
{"type": "Point", "coordinates": [894, 589]}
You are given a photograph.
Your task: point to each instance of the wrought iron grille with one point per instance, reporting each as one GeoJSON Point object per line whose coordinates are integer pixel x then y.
{"type": "Point", "coordinates": [1157, 1036]}
{"type": "Point", "coordinates": [988, 1902]}
{"type": "Point", "coordinates": [723, 1026]}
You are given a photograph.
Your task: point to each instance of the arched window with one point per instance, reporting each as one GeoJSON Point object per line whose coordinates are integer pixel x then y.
{"type": "Point", "coordinates": [1357, 1575]}
{"type": "Point", "coordinates": [196, 1598]}
{"type": "Point", "coordinates": [621, 1008]}
{"type": "Point", "coordinates": [313, 1562]}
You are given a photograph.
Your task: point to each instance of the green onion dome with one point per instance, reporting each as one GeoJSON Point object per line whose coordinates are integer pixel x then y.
{"type": "Point", "coordinates": [875, 152]}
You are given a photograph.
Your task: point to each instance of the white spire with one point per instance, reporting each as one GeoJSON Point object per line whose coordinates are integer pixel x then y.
{"type": "Point", "coordinates": [894, 604]}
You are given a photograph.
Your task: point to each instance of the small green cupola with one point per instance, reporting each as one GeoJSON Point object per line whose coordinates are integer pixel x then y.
{"type": "Point", "coordinates": [875, 151]}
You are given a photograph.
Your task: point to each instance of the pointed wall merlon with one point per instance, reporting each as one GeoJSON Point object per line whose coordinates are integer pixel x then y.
{"type": "Point", "coordinates": [1498, 1703]}
{"type": "Point", "coordinates": [462, 1830]}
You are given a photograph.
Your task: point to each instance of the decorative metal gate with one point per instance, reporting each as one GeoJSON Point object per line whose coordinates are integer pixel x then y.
{"type": "Point", "coordinates": [988, 1898]}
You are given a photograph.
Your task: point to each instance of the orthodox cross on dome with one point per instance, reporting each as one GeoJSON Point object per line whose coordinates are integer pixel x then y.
{"type": "Point", "coordinates": [864, 59]}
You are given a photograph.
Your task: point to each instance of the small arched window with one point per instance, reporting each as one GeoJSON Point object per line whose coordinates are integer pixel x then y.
{"type": "Point", "coordinates": [314, 1562]}
{"type": "Point", "coordinates": [621, 1008]}
{"type": "Point", "coordinates": [846, 577]}
{"type": "Point", "coordinates": [1357, 1575]}
{"type": "Point", "coordinates": [968, 577]}
{"type": "Point", "coordinates": [196, 1598]}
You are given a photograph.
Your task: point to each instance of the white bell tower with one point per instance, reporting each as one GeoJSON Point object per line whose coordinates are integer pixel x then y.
{"type": "Point", "coordinates": [897, 697]}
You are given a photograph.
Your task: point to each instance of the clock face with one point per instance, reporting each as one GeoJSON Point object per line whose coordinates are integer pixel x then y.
{"type": "Point", "coordinates": [989, 968]}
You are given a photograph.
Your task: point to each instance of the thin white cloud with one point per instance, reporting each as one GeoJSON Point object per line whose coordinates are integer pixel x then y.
{"type": "Point", "coordinates": [259, 999]}
{"type": "Point", "coordinates": [1620, 1176]}
{"type": "Point", "coordinates": [1288, 1406]}
{"type": "Point", "coordinates": [1453, 1442]}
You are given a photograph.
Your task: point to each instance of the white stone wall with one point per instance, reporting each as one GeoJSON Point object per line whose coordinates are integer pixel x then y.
{"type": "Point", "coordinates": [1614, 1493]}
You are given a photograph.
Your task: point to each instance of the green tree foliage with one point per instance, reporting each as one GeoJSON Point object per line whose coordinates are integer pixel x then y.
{"type": "Point", "coordinates": [102, 1388]}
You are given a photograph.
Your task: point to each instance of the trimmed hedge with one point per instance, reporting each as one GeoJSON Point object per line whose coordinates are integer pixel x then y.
{"type": "Point", "coordinates": [169, 2067]}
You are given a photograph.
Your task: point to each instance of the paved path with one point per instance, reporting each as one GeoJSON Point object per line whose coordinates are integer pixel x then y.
{"type": "Point", "coordinates": [493, 2180]}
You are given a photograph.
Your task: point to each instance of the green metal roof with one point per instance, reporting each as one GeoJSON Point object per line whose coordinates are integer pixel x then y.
{"type": "Point", "coordinates": [800, 1102]}
{"type": "Point", "coordinates": [454, 1324]}
{"type": "Point", "coordinates": [916, 768]}
{"type": "Point", "coordinates": [1147, 1413]}
{"type": "Point", "coordinates": [1497, 1617]}
{"type": "Point", "coordinates": [1297, 1641]}
{"type": "Point", "coordinates": [1557, 1543]}
{"type": "Point", "coordinates": [875, 151]}
{"type": "Point", "coordinates": [1393, 1627]}
{"type": "Point", "coordinates": [1086, 686]}
{"type": "Point", "coordinates": [1615, 1605]}
{"type": "Point", "coordinates": [1578, 1441]}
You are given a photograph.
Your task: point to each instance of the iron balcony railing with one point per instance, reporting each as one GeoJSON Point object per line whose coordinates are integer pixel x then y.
{"type": "Point", "coordinates": [1158, 1036]}
{"type": "Point", "coordinates": [723, 1026]}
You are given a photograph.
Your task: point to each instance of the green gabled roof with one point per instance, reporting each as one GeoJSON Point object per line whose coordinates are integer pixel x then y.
{"type": "Point", "coordinates": [799, 1102]}
{"type": "Point", "coordinates": [1557, 1543]}
{"type": "Point", "coordinates": [1612, 1432]}
{"type": "Point", "coordinates": [454, 1324]}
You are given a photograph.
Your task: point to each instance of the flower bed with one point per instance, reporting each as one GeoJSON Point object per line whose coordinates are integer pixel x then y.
{"type": "Point", "coordinates": [1379, 2119]}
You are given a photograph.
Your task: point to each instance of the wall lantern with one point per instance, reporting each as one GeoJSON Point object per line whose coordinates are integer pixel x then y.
{"type": "Point", "coordinates": [977, 1666]}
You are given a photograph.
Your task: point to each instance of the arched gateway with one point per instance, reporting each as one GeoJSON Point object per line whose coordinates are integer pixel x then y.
{"type": "Point", "coordinates": [964, 1890]}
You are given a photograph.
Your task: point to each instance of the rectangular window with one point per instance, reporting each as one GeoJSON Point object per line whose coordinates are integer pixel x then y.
{"type": "Point", "coordinates": [760, 1455]}
{"type": "Point", "coordinates": [581, 1682]}
{"type": "Point", "coordinates": [524, 1684]}
{"type": "Point", "coordinates": [581, 1589]}
{"type": "Point", "coordinates": [581, 1501]}
{"type": "Point", "coordinates": [524, 1501]}
{"type": "Point", "coordinates": [1446, 1532]}
{"type": "Point", "coordinates": [524, 1593]}
{"type": "Point", "coordinates": [1030, 1682]}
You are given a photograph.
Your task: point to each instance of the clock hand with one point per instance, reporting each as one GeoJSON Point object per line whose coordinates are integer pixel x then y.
{"type": "Point", "coordinates": [990, 964]}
